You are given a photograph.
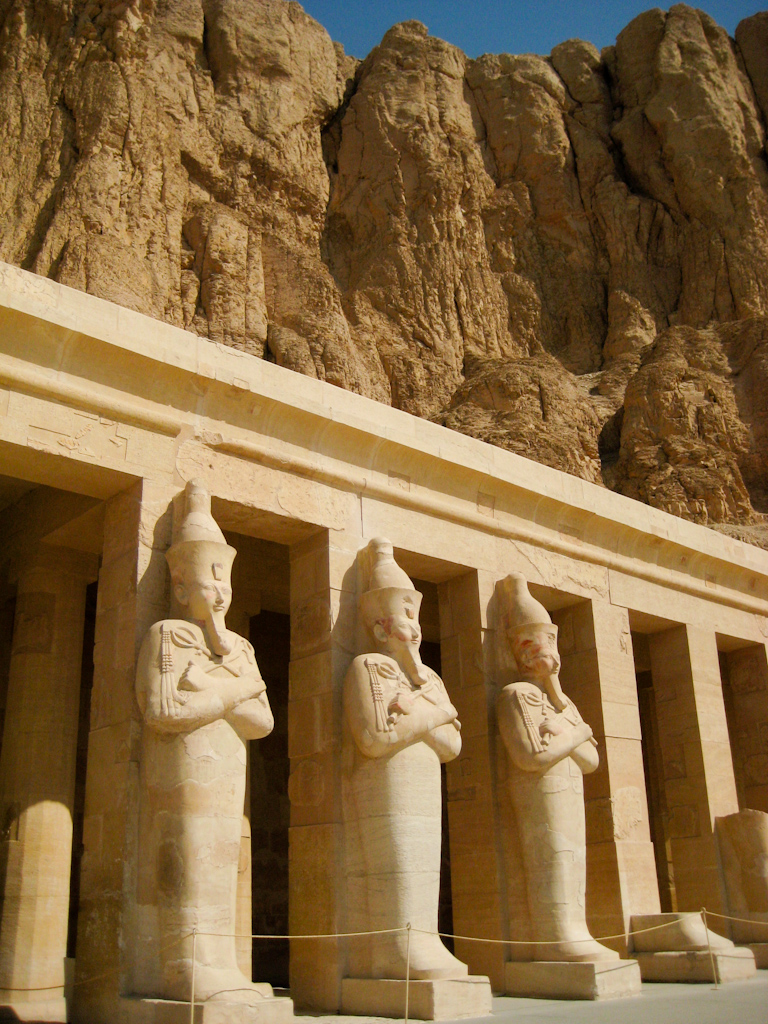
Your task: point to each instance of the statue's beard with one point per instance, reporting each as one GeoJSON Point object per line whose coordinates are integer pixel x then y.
{"type": "Point", "coordinates": [216, 631]}
{"type": "Point", "coordinates": [409, 658]}
{"type": "Point", "coordinates": [555, 691]}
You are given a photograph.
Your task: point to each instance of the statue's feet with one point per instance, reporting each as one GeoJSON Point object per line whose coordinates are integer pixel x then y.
{"type": "Point", "coordinates": [428, 959]}
{"type": "Point", "coordinates": [230, 986]}
{"type": "Point", "coordinates": [586, 950]}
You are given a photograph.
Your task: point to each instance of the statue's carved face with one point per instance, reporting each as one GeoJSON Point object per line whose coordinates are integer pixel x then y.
{"type": "Point", "coordinates": [400, 629]}
{"type": "Point", "coordinates": [205, 598]}
{"type": "Point", "coordinates": [536, 653]}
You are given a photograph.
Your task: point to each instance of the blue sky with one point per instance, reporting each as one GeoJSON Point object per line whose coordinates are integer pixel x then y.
{"type": "Point", "coordinates": [499, 26]}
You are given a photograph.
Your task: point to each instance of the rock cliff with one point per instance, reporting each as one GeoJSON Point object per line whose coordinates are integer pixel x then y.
{"type": "Point", "coordinates": [566, 256]}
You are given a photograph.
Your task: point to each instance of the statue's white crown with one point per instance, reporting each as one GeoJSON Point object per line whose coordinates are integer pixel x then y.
{"type": "Point", "coordinates": [384, 582]}
{"type": "Point", "coordinates": [199, 545]}
{"type": "Point", "coordinates": [519, 610]}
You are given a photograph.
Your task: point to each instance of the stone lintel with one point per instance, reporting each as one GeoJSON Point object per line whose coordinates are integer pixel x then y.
{"type": "Point", "coordinates": [737, 964]}
{"type": "Point", "coordinates": [136, 1010]}
{"type": "Point", "coordinates": [562, 979]}
{"type": "Point", "coordinates": [440, 999]}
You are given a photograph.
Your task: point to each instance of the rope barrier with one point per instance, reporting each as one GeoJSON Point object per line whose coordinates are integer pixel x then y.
{"type": "Point", "coordinates": [451, 935]}
{"type": "Point", "coordinates": [552, 942]}
{"type": "Point", "coordinates": [409, 930]}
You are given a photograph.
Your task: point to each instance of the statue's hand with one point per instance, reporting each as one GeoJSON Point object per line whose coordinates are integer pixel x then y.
{"type": "Point", "coordinates": [402, 704]}
{"type": "Point", "coordinates": [550, 727]}
{"type": "Point", "coordinates": [583, 732]}
{"type": "Point", "coordinates": [193, 678]}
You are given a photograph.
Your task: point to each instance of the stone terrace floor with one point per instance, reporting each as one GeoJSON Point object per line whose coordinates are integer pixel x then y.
{"type": "Point", "coordinates": [743, 1002]}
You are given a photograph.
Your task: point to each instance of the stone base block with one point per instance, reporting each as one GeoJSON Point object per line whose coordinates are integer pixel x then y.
{"type": "Point", "coordinates": [736, 964]}
{"type": "Point", "coordinates": [441, 999]}
{"type": "Point", "coordinates": [760, 953]}
{"type": "Point", "coordinates": [558, 979]}
{"type": "Point", "coordinates": [49, 1011]}
{"type": "Point", "coordinates": [167, 1011]}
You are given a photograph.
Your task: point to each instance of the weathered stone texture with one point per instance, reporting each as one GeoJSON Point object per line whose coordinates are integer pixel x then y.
{"type": "Point", "coordinates": [428, 230]}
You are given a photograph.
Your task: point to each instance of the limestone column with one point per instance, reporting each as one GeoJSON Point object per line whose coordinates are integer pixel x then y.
{"type": "Point", "coordinates": [746, 699]}
{"type": "Point", "coordinates": [698, 767]}
{"type": "Point", "coordinates": [598, 674]}
{"type": "Point", "coordinates": [323, 600]}
{"type": "Point", "coordinates": [476, 873]}
{"type": "Point", "coordinates": [37, 780]}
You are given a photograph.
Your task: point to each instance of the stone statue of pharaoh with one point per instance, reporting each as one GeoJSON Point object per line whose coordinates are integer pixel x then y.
{"type": "Point", "coordinates": [399, 726]}
{"type": "Point", "coordinates": [550, 748]}
{"type": "Point", "coordinates": [202, 697]}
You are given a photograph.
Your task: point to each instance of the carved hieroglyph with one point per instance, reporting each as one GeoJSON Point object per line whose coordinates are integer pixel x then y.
{"type": "Point", "coordinates": [399, 726]}
{"type": "Point", "coordinates": [549, 748]}
{"type": "Point", "coordinates": [202, 697]}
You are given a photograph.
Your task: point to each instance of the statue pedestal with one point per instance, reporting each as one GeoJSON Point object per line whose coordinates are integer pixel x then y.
{"type": "Point", "coordinates": [43, 1011]}
{"type": "Point", "coordinates": [736, 964]}
{"type": "Point", "coordinates": [562, 979]}
{"type": "Point", "coordinates": [675, 947]}
{"type": "Point", "coordinates": [441, 999]}
{"type": "Point", "coordinates": [168, 1011]}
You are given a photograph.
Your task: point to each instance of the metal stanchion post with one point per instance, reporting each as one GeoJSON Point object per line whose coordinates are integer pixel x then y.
{"type": "Point", "coordinates": [709, 946]}
{"type": "Point", "coordinates": [407, 967]}
{"type": "Point", "coordinates": [192, 994]}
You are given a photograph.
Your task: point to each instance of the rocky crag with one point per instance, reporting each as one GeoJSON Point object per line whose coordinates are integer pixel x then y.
{"type": "Point", "coordinates": [566, 256]}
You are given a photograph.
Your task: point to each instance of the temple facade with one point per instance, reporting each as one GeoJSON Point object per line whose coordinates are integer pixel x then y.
{"type": "Point", "coordinates": [105, 416]}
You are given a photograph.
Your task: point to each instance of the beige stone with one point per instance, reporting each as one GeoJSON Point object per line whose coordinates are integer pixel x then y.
{"type": "Point", "coordinates": [202, 696]}
{"type": "Point", "coordinates": [447, 999]}
{"type": "Point", "coordinates": [677, 933]}
{"type": "Point", "coordinates": [278, 1010]}
{"type": "Point", "coordinates": [737, 964]}
{"type": "Point", "coordinates": [698, 769]}
{"type": "Point", "coordinates": [550, 748]}
{"type": "Point", "coordinates": [540, 979]}
{"type": "Point", "coordinates": [400, 725]}
{"type": "Point", "coordinates": [314, 471]}
{"type": "Point", "coordinates": [743, 846]}
{"type": "Point", "coordinates": [37, 781]}
{"type": "Point", "coordinates": [678, 947]}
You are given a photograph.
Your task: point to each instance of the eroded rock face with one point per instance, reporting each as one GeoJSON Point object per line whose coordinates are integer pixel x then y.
{"type": "Point", "coordinates": [534, 408]}
{"type": "Point", "coordinates": [683, 442]}
{"type": "Point", "coordinates": [582, 233]}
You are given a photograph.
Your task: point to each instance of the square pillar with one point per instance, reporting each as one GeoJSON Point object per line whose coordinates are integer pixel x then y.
{"type": "Point", "coordinates": [476, 872]}
{"type": "Point", "coordinates": [37, 780]}
{"type": "Point", "coordinates": [322, 598]}
{"type": "Point", "coordinates": [132, 595]}
{"type": "Point", "coordinates": [745, 682]}
{"type": "Point", "coordinates": [598, 674]}
{"type": "Point", "coordinates": [695, 747]}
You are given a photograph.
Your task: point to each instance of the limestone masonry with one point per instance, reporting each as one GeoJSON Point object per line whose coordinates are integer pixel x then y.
{"type": "Point", "coordinates": [591, 671]}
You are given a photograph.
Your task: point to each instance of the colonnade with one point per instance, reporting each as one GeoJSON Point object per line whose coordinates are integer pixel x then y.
{"type": "Point", "coordinates": [710, 715]}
